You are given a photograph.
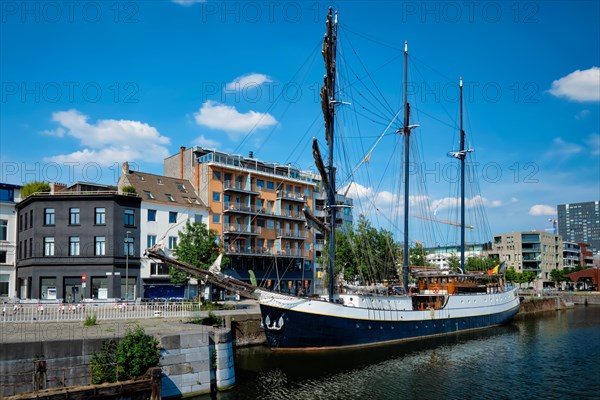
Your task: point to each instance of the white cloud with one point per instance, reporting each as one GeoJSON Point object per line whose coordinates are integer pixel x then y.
{"type": "Point", "coordinates": [206, 142]}
{"type": "Point", "coordinates": [215, 115]}
{"type": "Point", "coordinates": [109, 141]}
{"type": "Point", "coordinates": [58, 132]}
{"type": "Point", "coordinates": [582, 114]}
{"type": "Point", "coordinates": [563, 149]}
{"type": "Point", "coordinates": [542, 209]}
{"type": "Point", "coordinates": [578, 85]}
{"type": "Point", "coordinates": [187, 3]}
{"type": "Point", "coordinates": [593, 141]}
{"type": "Point", "coordinates": [452, 202]}
{"type": "Point", "coordinates": [247, 81]}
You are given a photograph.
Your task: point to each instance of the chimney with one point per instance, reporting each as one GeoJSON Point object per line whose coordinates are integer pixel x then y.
{"type": "Point", "coordinates": [181, 150]}
{"type": "Point", "coordinates": [197, 176]}
{"type": "Point", "coordinates": [57, 187]}
{"type": "Point", "coordinates": [125, 168]}
{"type": "Point", "coordinates": [251, 154]}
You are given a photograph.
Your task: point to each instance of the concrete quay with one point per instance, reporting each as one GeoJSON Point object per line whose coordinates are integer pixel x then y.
{"type": "Point", "coordinates": [195, 359]}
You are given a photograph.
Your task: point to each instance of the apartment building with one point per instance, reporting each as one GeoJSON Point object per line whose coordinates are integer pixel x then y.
{"type": "Point", "coordinates": [167, 204]}
{"type": "Point", "coordinates": [257, 209]}
{"type": "Point", "coordinates": [537, 252]}
{"type": "Point", "coordinates": [10, 195]}
{"type": "Point", "coordinates": [580, 222]}
{"type": "Point", "coordinates": [77, 243]}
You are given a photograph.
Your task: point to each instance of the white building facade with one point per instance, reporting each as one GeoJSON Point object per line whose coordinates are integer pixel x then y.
{"type": "Point", "coordinates": [10, 195]}
{"type": "Point", "coordinates": [167, 205]}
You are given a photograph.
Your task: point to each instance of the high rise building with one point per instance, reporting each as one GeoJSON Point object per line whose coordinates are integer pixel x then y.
{"type": "Point", "coordinates": [580, 222]}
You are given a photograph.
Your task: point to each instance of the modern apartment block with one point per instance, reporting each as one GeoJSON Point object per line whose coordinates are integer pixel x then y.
{"type": "Point", "coordinates": [580, 222]}
{"type": "Point", "coordinates": [167, 204]}
{"type": "Point", "coordinates": [78, 243]}
{"type": "Point", "coordinates": [537, 252]}
{"type": "Point", "coordinates": [257, 209]}
{"type": "Point", "coordinates": [10, 195]}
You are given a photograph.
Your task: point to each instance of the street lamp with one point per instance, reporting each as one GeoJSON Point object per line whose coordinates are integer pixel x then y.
{"type": "Point", "coordinates": [127, 266]}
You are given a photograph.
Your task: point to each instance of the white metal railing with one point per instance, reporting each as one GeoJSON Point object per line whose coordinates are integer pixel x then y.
{"type": "Point", "coordinates": [103, 311]}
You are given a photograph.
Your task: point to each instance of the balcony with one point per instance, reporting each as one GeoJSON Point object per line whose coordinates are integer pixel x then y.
{"type": "Point", "coordinates": [238, 229]}
{"type": "Point", "coordinates": [289, 214]}
{"type": "Point", "coordinates": [289, 234]}
{"type": "Point", "coordinates": [291, 196]}
{"type": "Point", "coordinates": [240, 187]}
{"type": "Point", "coordinates": [263, 252]}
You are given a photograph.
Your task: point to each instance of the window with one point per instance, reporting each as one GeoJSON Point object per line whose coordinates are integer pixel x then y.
{"type": "Point", "coordinates": [48, 246]}
{"type": "Point", "coordinates": [30, 247]}
{"type": "Point", "coordinates": [100, 246]}
{"type": "Point", "coordinates": [20, 222]}
{"type": "Point", "coordinates": [148, 194]}
{"type": "Point", "coordinates": [3, 229]}
{"type": "Point", "coordinates": [129, 217]}
{"type": "Point", "coordinates": [128, 246]}
{"type": "Point", "coordinates": [25, 225]}
{"type": "Point", "coordinates": [24, 248]}
{"type": "Point", "coordinates": [74, 246]}
{"type": "Point", "coordinates": [100, 215]}
{"type": "Point", "coordinates": [151, 241]}
{"type": "Point", "coordinates": [181, 188]}
{"type": "Point", "coordinates": [198, 218]}
{"type": "Point", "coordinates": [3, 257]}
{"type": "Point", "coordinates": [270, 224]}
{"type": "Point", "coordinates": [31, 219]}
{"type": "Point", "coordinates": [159, 269]}
{"type": "Point", "coordinates": [216, 196]}
{"type": "Point", "coordinates": [169, 197]}
{"type": "Point", "coordinates": [151, 215]}
{"type": "Point", "coordinates": [217, 175]}
{"type": "Point", "coordinates": [172, 217]}
{"type": "Point", "coordinates": [216, 218]}
{"type": "Point", "coordinates": [7, 195]}
{"type": "Point", "coordinates": [260, 183]}
{"type": "Point", "coordinates": [48, 216]}
{"type": "Point", "coordinates": [74, 216]}
{"type": "Point", "coordinates": [172, 242]}
{"type": "Point", "coordinates": [270, 185]}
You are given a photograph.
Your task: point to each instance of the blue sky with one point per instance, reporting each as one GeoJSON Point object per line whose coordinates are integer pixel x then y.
{"type": "Point", "coordinates": [88, 85]}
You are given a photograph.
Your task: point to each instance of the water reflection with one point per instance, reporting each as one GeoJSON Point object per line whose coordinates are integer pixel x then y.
{"type": "Point", "coordinates": [530, 358]}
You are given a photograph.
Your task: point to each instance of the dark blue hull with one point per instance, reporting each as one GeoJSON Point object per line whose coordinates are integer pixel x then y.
{"type": "Point", "coordinates": [313, 331]}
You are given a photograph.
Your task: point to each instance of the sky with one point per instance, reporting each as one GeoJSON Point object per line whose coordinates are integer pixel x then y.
{"type": "Point", "coordinates": [88, 85]}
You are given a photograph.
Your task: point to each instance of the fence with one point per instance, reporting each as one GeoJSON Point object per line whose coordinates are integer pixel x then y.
{"type": "Point", "coordinates": [103, 311]}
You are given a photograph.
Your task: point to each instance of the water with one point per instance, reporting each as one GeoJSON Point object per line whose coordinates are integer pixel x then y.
{"type": "Point", "coordinates": [554, 355]}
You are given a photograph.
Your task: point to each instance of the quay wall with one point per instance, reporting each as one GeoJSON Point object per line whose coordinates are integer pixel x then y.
{"type": "Point", "coordinates": [34, 357]}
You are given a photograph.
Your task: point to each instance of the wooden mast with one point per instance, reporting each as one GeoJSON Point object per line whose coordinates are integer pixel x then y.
{"type": "Point", "coordinates": [328, 104]}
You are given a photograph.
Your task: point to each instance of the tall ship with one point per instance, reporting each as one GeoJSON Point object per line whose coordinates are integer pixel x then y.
{"type": "Point", "coordinates": [437, 304]}
{"type": "Point", "coordinates": [434, 304]}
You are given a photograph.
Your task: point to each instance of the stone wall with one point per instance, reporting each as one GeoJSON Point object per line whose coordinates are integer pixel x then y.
{"type": "Point", "coordinates": [196, 362]}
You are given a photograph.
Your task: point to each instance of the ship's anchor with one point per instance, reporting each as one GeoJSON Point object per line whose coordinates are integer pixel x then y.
{"type": "Point", "coordinates": [276, 325]}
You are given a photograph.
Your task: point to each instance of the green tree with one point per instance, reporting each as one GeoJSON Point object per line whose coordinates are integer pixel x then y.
{"type": "Point", "coordinates": [129, 189]}
{"type": "Point", "coordinates": [136, 353]}
{"type": "Point", "coordinates": [197, 246]}
{"type": "Point", "coordinates": [129, 359]}
{"type": "Point", "coordinates": [418, 256]}
{"type": "Point", "coordinates": [34, 187]}
{"type": "Point", "coordinates": [511, 275]}
{"type": "Point", "coordinates": [364, 253]}
{"type": "Point", "coordinates": [454, 263]}
{"type": "Point", "coordinates": [480, 263]}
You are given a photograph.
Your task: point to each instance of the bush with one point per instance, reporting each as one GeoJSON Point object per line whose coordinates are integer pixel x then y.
{"type": "Point", "coordinates": [131, 358]}
{"type": "Point", "coordinates": [90, 320]}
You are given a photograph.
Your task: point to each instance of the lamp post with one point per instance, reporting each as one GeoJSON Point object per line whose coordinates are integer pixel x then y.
{"type": "Point", "coordinates": [127, 266]}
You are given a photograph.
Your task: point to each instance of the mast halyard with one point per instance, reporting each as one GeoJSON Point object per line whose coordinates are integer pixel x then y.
{"type": "Point", "coordinates": [328, 103]}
